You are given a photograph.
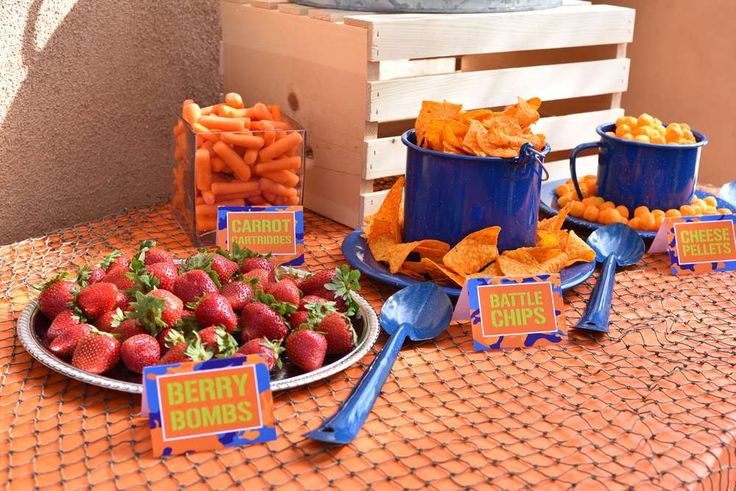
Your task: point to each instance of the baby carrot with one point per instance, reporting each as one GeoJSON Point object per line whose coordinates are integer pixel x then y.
{"type": "Point", "coordinates": [283, 177]}
{"type": "Point", "coordinates": [206, 223]}
{"type": "Point", "coordinates": [211, 210]}
{"type": "Point", "coordinates": [269, 186]}
{"type": "Point", "coordinates": [275, 110]}
{"type": "Point", "coordinates": [291, 200]}
{"type": "Point", "coordinates": [230, 197]}
{"type": "Point", "coordinates": [217, 164]}
{"type": "Point", "coordinates": [204, 132]}
{"type": "Point", "coordinates": [256, 200]}
{"type": "Point", "coordinates": [259, 111]}
{"type": "Point", "coordinates": [269, 197]}
{"type": "Point", "coordinates": [220, 188]}
{"type": "Point", "coordinates": [208, 146]}
{"type": "Point", "coordinates": [234, 100]}
{"type": "Point", "coordinates": [226, 111]}
{"type": "Point", "coordinates": [202, 169]}
{"type": "Point", "coordinates": [269, 135]}
{"type": "Point", "coordinates": [278, 164]}
{"type": "Point", "coordinates": [191, 113]}
{"type": "Point", "coordinates": [179, 128]}
{"type": "Point", "coordinates": [220, 123]}
{"type": "Point", "coordinates": [250, 156]}
{"type": "Point", "coordinates": [200, 200]}
{"type": "Point", "coordinates": [208, 197]}
{"type": "Point", "coordinates": [260, 125]}
{"type": "Point", "coordinates": [233, 160]}
{"type": "Point", "coordinates": [210, 109]}
{"type": "Point", "coordinates": [243, 140]}
{"type": "Point", "coordinates": [280, 146]}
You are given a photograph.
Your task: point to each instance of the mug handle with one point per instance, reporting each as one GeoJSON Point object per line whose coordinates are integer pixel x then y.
{"type": "Point", "coordinates": [573, 157]}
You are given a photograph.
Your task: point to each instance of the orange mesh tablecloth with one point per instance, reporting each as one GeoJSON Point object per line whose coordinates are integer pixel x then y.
{"type": "Point", "coordinates": [652, 405]}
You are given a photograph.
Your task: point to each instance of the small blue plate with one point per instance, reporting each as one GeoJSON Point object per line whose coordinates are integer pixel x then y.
{"type": "Point", "coordinates": [548, 205]}
{"type": "Point", "coordinates": [356, 251]}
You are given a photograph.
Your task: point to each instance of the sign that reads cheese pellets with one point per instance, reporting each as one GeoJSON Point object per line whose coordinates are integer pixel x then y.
{"type": "Point", "coordinates": [701, 244]}
{"type": "Point", "coordinates": [275, 230]}
{"type": "Point", "coordinates": [208, 405]}
{"type": "Point", "coordinates": [511, 312]}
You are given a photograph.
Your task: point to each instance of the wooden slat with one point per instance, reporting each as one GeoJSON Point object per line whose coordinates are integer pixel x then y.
{"type": "Point", "coordinates": [335, 194]}
{"type": "Point", "coordinates": [293, 9]}
{"type": "Point", "coordinates": [333, 15]}
{"type": "Point", "coordinates": [387, 156]}
{"type": "Point", "coordinates": [370, 202]}
{"type": "Point", "coordinates": [392, 100]}
{"type": "Point", "coordinates": [391, 69]}
{"type": "Point", "coordinates": [267, 4]}
{"type": "Point", "coordinates": [401, 36]}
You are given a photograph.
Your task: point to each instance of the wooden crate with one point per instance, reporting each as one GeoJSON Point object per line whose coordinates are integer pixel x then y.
{"type": "Point", "coordinates": [356, 81]}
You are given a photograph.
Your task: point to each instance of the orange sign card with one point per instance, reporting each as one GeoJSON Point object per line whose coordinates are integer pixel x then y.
{"type": "Point", "coordinates": [208, 405]}
{"type": "Point", "coordinates": [510, 312]}
{"type": "Point", "coordinates": [702, 244]}
{"type": "Point", "coordinates": [274, 230]}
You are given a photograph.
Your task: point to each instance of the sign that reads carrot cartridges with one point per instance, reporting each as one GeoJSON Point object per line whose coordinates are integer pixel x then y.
{"type": "Point", "coordinates": [275, 230]}
{"type": "Point", "coordinates": [509, 312]}
{"type": "Point", "coordinates": [208, 405]}
{"type": "Point", "coordinates": [702, 244]}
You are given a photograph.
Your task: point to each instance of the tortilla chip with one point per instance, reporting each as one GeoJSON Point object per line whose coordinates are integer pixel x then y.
{"type": "Point", "coordinates": [414, 270]}
{"type": "Point", "coordinates": [522, 262]}
{"type": "Point", "coordinates": [386, 220]}
{"type": "Point", "coordinates": [492, 270]}
{"type": "Point", "coordinates": [433, 249]}
{"type": "Point", "coordinates": [547, 239]}
{"type": "Point", "coordinates": [474, 251]}
{"type": "Point", "coordinates": [438, 272]}
{"type": "Point", "coordinates": [524, 112]}
{"type": "Point", "coordinates": [554, 224]}
{"type": "Point", "coordinates": [577, 250]}
{"type": "Point", "coordinates": [433, 110]}
{"type": "Point", "coordinates": [471, 143]}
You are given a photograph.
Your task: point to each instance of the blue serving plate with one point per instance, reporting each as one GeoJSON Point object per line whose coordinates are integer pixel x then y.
{"type": "Point", "coordinates": [728, 193]}
{"type": "Point", "coordinates": [356, 251]}
{"type": "Point", "coordinates": [548, 205]}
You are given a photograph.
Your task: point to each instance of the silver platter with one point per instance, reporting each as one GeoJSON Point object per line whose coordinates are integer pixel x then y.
{"type": "Point", "coordinates": [35, 347]}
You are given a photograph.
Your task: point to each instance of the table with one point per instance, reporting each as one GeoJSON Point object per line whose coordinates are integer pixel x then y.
{"type": "Point", "coordinates": [652, 405]}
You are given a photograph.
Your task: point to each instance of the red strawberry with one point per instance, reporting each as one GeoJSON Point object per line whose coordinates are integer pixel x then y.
{"type": "Point", "coordinates": [129, 328]}
{"type": "Point", "coordinates": [115, 260]}
{"type": "Point", "coordinates": [61, 322]}
{"type": "Point", "coordinates": [119, 277]}
{"type": "Point", "coordinates": [339, 333]}
{"type": "Point", "coordinates": [157, 254]}
{"type": "Point", "coordinates": [109, 320]}
{"type": "Point", "coordinates": [121, 300]}
{"type": "Point", "coordinates": [307, 299]}
{"type": "Point", "coordinates": [67, 340]}
{"type": "Point", "coordinates": [215, 310]}
{"type": "Point", "coordinates": [259, 320]}
{"type": "Point", "coordinates": [165, 272]}
{"type": "Point", "coordinates": [140, 351]}
{"type": "Point", "coordinates": [218, 341]}
{"type": "Point", "coordinates": [96, 353]}
{"type": "Point", "coordinates": [251, 263]}
{"type": "Point", "coordinates": [182, 352]}
{"type": "Point", "coordinates": [238, 294]}
{"type": "Point", "coordinates": [314, 284]}
{"type": "Point", "coordinates": [306, 349]}
{"type": "Point", "coordinates": [96, 274]}
{"type": "Point", "coordinates": [56, 295]}
{"type": "Point", "coordinates": [285, 291]}
{"type": "Point", "coordinates": [260, 278]}
{"type": "Point", "coordinates": [298, 318]}
{"type": "Point", "coordinates": [157, 310]}
{"type": "Point", "coordinates": [262, 346]}
{"type": "Point", "coordinates": [168, 338]}
{"type": "Point", "coordinates": [94, 300]}
{"type": "Point", "coordinates": [192, 285]}
{"type": "Point", "coordinates": [89, 275]}
{"type": "Point", "coordinates": [224, 267]}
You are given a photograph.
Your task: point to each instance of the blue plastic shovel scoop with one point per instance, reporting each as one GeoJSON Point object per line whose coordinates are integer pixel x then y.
{"type": "Point", "coordinates": [419, 312]}
{"type": "Point", "coordinates": [614, 245]}
{"type": "Point", "coordinates": [728, 192]}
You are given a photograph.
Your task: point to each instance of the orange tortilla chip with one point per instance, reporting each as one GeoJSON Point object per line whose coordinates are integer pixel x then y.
{"type": "Point", "coordinates": [474, 252]}
{"type": "Point", "coordinates": [524, 112]}
{"type": "Point", "coordinates": [471, 143]}
{"type": "Point", "coordinates": [386, 220]}
{"type": "Point", "coordinates": [433, 249]}
{"type": "Point", "coordinates": [437, 272]}
{"type": "Point", "coordinates": [554, 224]}
{"type": "Point", "coordinates": [578, 250]}
{"type": "Point", "coordinates": [433, 110]}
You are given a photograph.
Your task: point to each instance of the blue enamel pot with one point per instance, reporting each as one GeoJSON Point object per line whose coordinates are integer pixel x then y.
{"type": "Point", "coordinates": [633, 174]}
{"type": "Point", "coordinates": [448, 196]}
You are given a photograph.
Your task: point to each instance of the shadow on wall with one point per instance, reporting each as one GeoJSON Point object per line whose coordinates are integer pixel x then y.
{"type": "Point", "coordinates": [89, 130]}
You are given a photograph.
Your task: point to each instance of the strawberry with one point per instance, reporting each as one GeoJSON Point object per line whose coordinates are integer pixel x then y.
{"type": "Point", "coordinates": [88, 275]}
{"type": "Point", "coordinates": [168, 338]}
{"type": "Point", "coordinates": [285, 291]}
{"type": "Point", "coordinates": [259, 278]}
{"type": "Point", "coordinates": [157, 254]}
{"type": "Point", "coordinates": [175, 354]}
{"type": "Point", "coordinates": [183, 351]}
{"type": "Point", "coordinates": [65, 319]}
{"type": "Point", "coordinates": [97, 352]}
{"type": "Point", "coordinates": [119, 277]}
{"type": "Point", "coordinates": [140, 351]}
{"type": "Point", "coordinates": [259, 320]}
{"type": "Point", "coordinates": [191, 285]}
{"type": "Point", "coordinates": [307, 299]}
{"type": "Point", "coordinates": [306, 349]}
{"type": "Point", "coordinates": [298, 318]}
{"type": "Point", "coordinates": [67, 340]}
{"type": "Point", "coordinates": [56, 294]}
{"type": "Point", "coordinates": [156, 310]}
{"type": "Point", "coordinates": [224, 267]}
{"type": "Point", "coordinates": [344, 282]}
{"type": "Point", "coordinates": [339, 333]}
{"type": "Point", "coordinates": [165, 272]}
{"type": "Point", "coordinates": [121, 301]}
{"type": "Point", "coordinates": [109, 320]}
{"type": "Point", "coordinates": [289, 273]}
{"type": "Point", "coordinates": [114, 260]}
{"type": "Point", "coordinates": [129, 328]}
{"type": "Point", "coordinates": [219, 341]}
{"type": "Point", "coordinates": [315, 283]}
{"type": "Point", "coordinates": [96, 299]}
{"type": "Point", "coordinates": [214, 310]}
{"type": "Point", "coordinates": [238, 294]}
{"type": "Point", "coordinates": [252, 263]}
{"type": "Point", "coordinates": [261, 346]}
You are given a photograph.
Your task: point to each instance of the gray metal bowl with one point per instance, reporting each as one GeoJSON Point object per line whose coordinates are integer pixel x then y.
{"type": "Point", "coordinates": [29, 332]}
{"type": "Point", "coordinates": [433, 6]}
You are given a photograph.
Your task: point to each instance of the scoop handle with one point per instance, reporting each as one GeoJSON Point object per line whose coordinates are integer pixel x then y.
{"type": "Point", "coordinates": [598, 309]}
{"type": "Point", "coordinates": [345, 424]}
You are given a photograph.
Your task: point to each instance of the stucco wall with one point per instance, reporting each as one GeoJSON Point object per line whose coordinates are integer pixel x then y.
{"type": "Point", "coordinates": [88, 93]}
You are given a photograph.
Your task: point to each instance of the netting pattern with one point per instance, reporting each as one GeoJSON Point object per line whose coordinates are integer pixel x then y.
{"type": "Point", "coordinates": [652, 405]}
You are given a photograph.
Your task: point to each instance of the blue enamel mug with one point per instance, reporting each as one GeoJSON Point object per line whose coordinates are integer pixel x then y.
{"type": "Point", "coordinates": [448, 196]}
{"type": "Point", "coordinates": [633, 174]}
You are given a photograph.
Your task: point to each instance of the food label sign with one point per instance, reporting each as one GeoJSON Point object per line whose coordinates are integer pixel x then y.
{"type": "Point", "coordinates": [275, 230]}
{"type": "Point", "coordinates": [698, 244]}
{"type": "Point", "coordinates": [208, 405]}
{"type": "Point", "coordinates": [511, 312]}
